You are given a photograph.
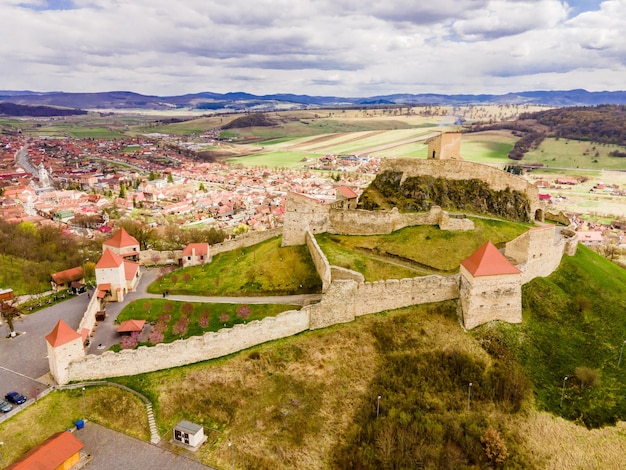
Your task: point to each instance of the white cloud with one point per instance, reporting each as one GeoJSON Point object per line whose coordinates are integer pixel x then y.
{"type": "Point", "coordinates": [339, 47]}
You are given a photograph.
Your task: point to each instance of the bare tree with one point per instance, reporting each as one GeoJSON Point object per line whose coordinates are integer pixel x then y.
{"type": "Point", "coordinates": [10, 312]}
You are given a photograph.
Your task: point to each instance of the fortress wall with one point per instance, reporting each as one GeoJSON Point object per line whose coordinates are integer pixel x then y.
{"type": "Point", "coordinates": [303, 213]}
{"type": "Point", "coordinates": [339, 273]}
{"type": "Point", "coordinates": [373, 297]}
{"type": "Point", "coordinates": [154, 257]}
{"type": "Point", "coordinates": [337, 305]}
{"type": "Point", "coordinates": [189, 351]}
{"type": "Point", "coordinates": [89, 317]}
{"type": "Point", "coordinates": [488, 298]}
{"type": "Point", "coordinates": [363, 222]}
{"type": "Point", "coordinates": [245, 240]}
{"type": "Point", "coordinates": [558, 217]}
{"type": "Point", "coordinates": [454, 223]}
{"type": "Point", "coordinates": [322, 266]}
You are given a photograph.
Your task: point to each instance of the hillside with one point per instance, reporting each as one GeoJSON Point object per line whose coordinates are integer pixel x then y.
{"type": "Point", "coordinates": [276, 401]}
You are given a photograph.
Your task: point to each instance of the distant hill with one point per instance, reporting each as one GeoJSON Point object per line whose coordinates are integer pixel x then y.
{"type": "Point", "coordinates": [239, 101]}
{"type": "Point", "coordinates": [20, 110]}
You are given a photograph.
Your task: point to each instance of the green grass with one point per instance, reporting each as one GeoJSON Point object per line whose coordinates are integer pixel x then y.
{"type": "Point", "coordinates": [216, 316]}
{"type": "Point", "coordinates": [274, 159]}
{"type": "Point", "coordinates": [414, 251]}
{"type": "Point", "coordinates": [95, 133]}
{"type": "Point", "coordinates": [573, 318]}
{"type": "Point", "coordinates": [488, 147]}
{"type": "Point", "coordinates": [25, 276]}
{"type": "Point", "coordinates": [59, 410]}
{"type": "Point", "coordinates": [565, 153]}
{"type": "Point", "coordinates": [263, 269]}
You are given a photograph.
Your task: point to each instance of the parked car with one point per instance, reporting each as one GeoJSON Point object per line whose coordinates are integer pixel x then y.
{"type": "Point", "coordinates": [5, 406]}
{"type": "Point", "coordinates": [15, 397]}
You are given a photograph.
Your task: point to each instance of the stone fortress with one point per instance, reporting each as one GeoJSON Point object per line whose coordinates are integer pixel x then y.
{"type": "Point", "coordinates": [488, 286]}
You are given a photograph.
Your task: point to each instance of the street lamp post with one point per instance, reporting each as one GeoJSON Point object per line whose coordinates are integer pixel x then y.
{"type": "Point", "coordinates": [378, 406]}
{"type": "Point", "coordinates": [619, 361]}
{"type": "Point", "coordinates": [469, 395]}
{"type": "Point", "coordinates": [1, 458]}
{"type": "Point", "coordinates": [84, 405]}
{"type": "Point", "coordinates": [563, 390]}
{"type": "Point", "coordinates": [232, 455]}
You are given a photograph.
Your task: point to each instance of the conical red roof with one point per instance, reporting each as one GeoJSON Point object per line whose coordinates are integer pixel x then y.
{"type": "Point", "coordinates": [488, 261]}
{"type": "Point", "coordinates": [61, 334]}
{"type": "Point", "coordinates": [109, 260]}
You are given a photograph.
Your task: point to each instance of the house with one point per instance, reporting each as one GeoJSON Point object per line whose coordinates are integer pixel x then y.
{"type": "Point", "coordinates": [64, 279]}
{"type": "Point", "coordinates": [59, 451]}
{"type": "Point", "coordinates": [591, 238]}
{"type": "Point", "coordinates": [123, 245]}
{"type": "Point", "coordinates": [195, 254]}
{"type": "Point", "coordinates": [115, 276]}
{"type": "Point", "coordinates": [346, 197]}
{"type": "Point", "coordinates": [6, 294]}
{"type": "Point", "coordinates": [189, 434]}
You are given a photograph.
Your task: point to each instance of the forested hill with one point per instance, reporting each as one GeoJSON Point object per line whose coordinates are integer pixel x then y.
{"type": "Point", "coordinates": [603, 124]}
{"type": "Point", "coordinates": [12, 109]}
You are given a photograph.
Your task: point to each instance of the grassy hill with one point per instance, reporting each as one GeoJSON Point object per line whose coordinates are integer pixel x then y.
{"type": "Point", "coordinates": [311, 401]}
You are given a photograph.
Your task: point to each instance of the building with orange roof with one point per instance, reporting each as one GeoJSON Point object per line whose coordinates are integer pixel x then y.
{"type": "Point", "coordinates": [61, 451]}
{"type": "Point", "coordinates": [347, 198]}
{"type": "Point", "coordinates": [123, 244]}
{"type": "Point", "coordinates": [490, 288]}
{"type": "Point", "coordinates": [115, 276]}
{"type": "Point", "coordinates": [195, 254]}
{"type": "Point", "coordinates": [64, 279]}
{"type": "Point", "coordinates": [64, 345]}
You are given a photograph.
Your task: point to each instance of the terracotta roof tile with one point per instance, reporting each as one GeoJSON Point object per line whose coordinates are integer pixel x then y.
{"type": "Point", "coordinates": [121, 239]}
{"type": "Point", "coordinates": [129, 326]}
{"type": "Point", "coordinates": [61, 334]}
{"type": "Point", "coordinates": [51, 453]}
{"type": "Point", "coordinates": [201, 249]}
{"type": "Point", "coordinates": [488, 261]}
{"type": "Point", "coordinates": [109, 260]}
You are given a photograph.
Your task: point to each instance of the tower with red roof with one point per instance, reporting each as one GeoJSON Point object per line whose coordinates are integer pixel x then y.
{"type": "Point", "coordinates": [123, 244]}
{"type": "Point", "coordinates": [491, 288]}
{"type": "Point", "coordinates": [64, 346]}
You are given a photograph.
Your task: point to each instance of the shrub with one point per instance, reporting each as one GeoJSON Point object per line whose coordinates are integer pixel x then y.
{"type": "Point", "coordinates": [587, 377]}
{"type": "Point", "coordinates": [243, 312]}
{"type": "Point", "coordinates": [180, 328]}
{"type": "Point", "coordinates": [495, 447]}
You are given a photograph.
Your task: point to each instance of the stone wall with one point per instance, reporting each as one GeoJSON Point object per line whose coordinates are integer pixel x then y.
{"type": "Point", "coordinates": [89, 317]}
{"type": "Point", "coordinates": [189, 351]}
{"type": "Point", "coordinates": [379, 296]}
{"type": "Point", "coordinates": [487, 298]}
{"type": "Point", "coordinates": [337, 305]}
{"type": "Point", "coordinates": [245, 240]}
{"type": "Point", "coordinates": [154, 257]}
{"type": "Point", "coordinates": [363, 222]}
{"type": "Point", "coordinates": [303, 213]}
{"type": "Point", "coordinates": [337, 273]}
{"type": "Point", "coordinates": [322, 266]}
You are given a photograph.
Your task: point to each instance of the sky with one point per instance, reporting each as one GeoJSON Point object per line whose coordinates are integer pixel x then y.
{"type": "Point", "coordinates": [348, 48]}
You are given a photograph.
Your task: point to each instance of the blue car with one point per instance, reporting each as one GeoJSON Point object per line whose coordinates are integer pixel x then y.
{"type": "Point", "coordinates": [15, 397]}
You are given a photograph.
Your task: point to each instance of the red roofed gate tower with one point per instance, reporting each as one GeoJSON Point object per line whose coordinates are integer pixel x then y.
{"type": "Point", "coordinates": [64, 346]}
{"type": "Point", "coordinates": [491, 288]}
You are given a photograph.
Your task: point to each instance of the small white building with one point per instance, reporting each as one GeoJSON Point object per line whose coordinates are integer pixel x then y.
{"type": "Point", "coordinates": [189, 434]}
{"type": "Point", "coordinates": [195, 254]}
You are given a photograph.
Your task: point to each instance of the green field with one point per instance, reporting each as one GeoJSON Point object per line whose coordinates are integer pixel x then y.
{"type": "Point", "coordinates": [574, 154]}
{"type": "Point", "coordinates": [414, 251]}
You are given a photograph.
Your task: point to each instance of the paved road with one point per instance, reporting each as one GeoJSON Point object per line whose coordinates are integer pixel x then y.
{"type": "Point", "coordinates": [111, 450]}
{"type": "Point", "coordinates": [23, 359]}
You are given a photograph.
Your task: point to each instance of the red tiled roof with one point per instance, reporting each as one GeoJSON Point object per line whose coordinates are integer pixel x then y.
{"type": "Point", "coordinates": [347, 192]}
{"type": "Point", "coordinates": [130, 270]}
{"type": "Point", "coordinates": [488, 261]}
{"type": "Point", "coordinates": [109, 260]}
{"type": "Point", "coordinates": [129, 326]}
{"type": "Point", "coordinates": [61, 334]}
{"type": "Point", "coordinates": [51, 453]}
{"type": "Point", "coordinates": [121, 239]}
{"type": "Point", "coordinates": [201, 249]}
{"type": "Point", "coordinates": [69, 275]}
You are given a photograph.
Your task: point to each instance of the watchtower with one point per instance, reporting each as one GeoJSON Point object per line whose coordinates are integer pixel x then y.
{"type": "Point", "coordinates": [64, 346]}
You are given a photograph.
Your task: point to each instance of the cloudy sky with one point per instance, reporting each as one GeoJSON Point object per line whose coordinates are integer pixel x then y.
{"type": "Point", "coordinates": [318, 47]}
